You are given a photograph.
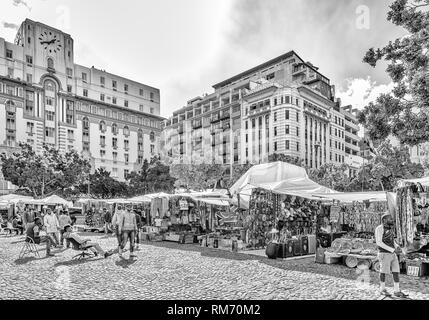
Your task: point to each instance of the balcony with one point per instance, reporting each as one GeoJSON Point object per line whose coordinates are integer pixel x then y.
{"type": "Point", "coordinates": [225, 115]}
{"type": "Point", "coordinates": [215, 118]}
{"type": "Point", "coordinates": [299, 69]}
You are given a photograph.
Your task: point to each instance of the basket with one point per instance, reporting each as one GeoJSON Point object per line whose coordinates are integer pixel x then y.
{"type": "Point", "coordinates": [351, 261]}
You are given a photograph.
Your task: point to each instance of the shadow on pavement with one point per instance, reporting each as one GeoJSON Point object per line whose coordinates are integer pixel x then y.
{"type": "Point", "coordinates": [125, 263]}
{"type": "Point", "coordinates": [28, 259]}
{"type": "Point", "coordinates": [75, 262]}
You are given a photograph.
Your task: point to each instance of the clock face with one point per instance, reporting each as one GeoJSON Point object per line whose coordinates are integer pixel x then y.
{"type": "Point", "coordinates": [50, 42]}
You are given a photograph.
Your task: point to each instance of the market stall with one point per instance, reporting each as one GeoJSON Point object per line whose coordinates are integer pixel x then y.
{"type": "Point", "coordinates": [412, 225]}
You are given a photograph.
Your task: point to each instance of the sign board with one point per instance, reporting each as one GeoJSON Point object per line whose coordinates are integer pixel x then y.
{"type": "Point", "coordinates": [183, 204]}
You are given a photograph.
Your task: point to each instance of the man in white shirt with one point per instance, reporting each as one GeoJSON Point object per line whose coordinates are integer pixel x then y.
{"type": "Point", "coordinates": [387, 256]}
{"type": "Point", "coordinates": [51, 223]}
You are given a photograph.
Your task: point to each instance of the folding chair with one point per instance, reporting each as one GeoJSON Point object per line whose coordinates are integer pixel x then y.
{"type": "Point", "coordinates": [29, 247]}
{"type": "Point", "coordinates": [82, 248]}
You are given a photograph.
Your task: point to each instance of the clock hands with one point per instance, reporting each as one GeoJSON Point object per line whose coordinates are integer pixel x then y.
{"type": "Point", "coordinates": [48, 42]}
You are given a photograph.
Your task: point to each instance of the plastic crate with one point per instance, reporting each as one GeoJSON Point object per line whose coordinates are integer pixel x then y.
{"type": "Point", "coordinates": [417, 268]}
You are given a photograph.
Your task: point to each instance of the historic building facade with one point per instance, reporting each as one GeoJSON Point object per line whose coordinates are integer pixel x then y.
{"type": "Point", "coordinates": [46, 98]}
{"type": "Point", "coordinates": [284, 106]}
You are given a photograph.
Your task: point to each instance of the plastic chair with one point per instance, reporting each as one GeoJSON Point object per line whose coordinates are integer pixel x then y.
{"type": "Point", "coordinates": [29, 247]}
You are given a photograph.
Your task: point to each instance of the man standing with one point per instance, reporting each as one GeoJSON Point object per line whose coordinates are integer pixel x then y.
{"type": "Point", "coordinates": [388, 251]}
{"type": "Point", "coordinates": [29, 215]}
{"type": "Point", "coordinates": [127, 227]}
{"type": "Point", "coordinates": [50, 221]}
{"type": "Point", "coordinates": [64, 220]}
{"type": "Point", "coordinates": [107, 217]}
{"type": "Point", "coordinates": [115, 224]}
{"type": "Point", "coordinates": [33, 230]}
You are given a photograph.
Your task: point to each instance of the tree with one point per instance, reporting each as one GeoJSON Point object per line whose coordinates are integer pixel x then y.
{"type": "Point", "coordinates": [403, 113]}
{"type": "Point", "coordinates": [196, 176]}
{"type": "Point", "coordinates": [237, 172]}
{"type": "Point", "coordinates": [386, 168]}
{"type": "Point", "coordinates": [47, 173]}
{"type": "Point", "coordinates": [154, 176]}
{"type": "Point", "coordinates": [103, 186]}
{"type": "Point", "coordinates": [333, 176]}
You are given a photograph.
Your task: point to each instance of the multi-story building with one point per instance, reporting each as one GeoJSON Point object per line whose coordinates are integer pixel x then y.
{"type": "Point", "coordinates": [46, 98]}
{"type": "Point", "coordinates": [352, 148]}
{"type": "Point", "coordinates": [284, 105]}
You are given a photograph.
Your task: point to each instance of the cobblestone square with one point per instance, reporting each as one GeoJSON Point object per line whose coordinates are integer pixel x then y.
{"type": "Point", "coordinates": [173, 271]}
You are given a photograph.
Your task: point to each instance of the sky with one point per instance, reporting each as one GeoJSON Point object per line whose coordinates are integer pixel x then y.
{"type": "Point", "coordinates": [183, 47]}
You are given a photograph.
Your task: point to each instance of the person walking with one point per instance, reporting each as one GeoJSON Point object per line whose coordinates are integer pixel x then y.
{"type": "Point", "coordinates": [115, 225]}
{"type": "Point", "coordinates": [51, 223]}
{"type": "Point", "coordinates": [388, 255]}
{"type": "Point", "coordinates": [107, 217]}
{"type": "Point", "coordinates": [64, 220]}
{"type": "Point", "coordinates": [139, 226]}
{"type": "Point", "coordinates": [127, 228]}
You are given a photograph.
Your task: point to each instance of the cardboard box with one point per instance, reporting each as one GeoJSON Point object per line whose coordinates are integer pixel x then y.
{"type": "Point", "coordinates": [320, 255]}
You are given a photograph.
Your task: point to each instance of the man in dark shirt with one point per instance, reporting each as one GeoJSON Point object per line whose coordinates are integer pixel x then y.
{"type": "Point", "coordinates": [387, 256]}
{"type": "Point", "coordinates": [139, 226]}
{"type": "Point", "coordinates": [33, 230]}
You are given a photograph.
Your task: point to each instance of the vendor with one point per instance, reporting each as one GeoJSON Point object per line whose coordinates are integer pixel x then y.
{"type": "Point", "coordinates": [388, 251]}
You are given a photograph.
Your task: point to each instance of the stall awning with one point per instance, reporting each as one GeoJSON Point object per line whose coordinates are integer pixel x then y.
{"type": "Point", "coordinates": [423, 181]}
{"type": "Point", "coordinates": [217, 202]}
{"type": "Point", "coordinates": [348, 197]}
{"type": "Point", "coordinates": [52, 200]}
{"type": "Point", "coordinates": [15, 198]}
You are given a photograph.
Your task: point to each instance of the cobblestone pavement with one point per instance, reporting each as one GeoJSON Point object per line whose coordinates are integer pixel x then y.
{"type": "Point", "coordinates": [164, 272]}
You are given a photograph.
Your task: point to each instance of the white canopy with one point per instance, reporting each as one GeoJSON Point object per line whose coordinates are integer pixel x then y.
{"type": "Point", "coordinates": [53, 200]}
{"type": "Point", "coordinates": [279, 177]}
{"type": "Point", "coordinates": [141, 199]}
{"type": "Point", "coordinates": [15, 198]}
{"type": "Point", "coordinates": [423, 181]}
{"type": "Point", "coordinates": [353, 196]}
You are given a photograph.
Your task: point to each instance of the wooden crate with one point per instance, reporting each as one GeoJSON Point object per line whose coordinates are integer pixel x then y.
{"type": "Point", "coordinates": [417, 268]}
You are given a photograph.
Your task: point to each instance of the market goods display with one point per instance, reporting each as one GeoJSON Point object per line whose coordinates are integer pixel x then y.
{"type": "Point", "coordinates": [404, 216]}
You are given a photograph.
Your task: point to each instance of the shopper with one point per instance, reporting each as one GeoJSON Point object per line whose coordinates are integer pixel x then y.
{"type": "Point", "coordinates": [139, 226]}
{"type": "Point", "coordinates": [33, 232]}
{"type": "Point", "coordinates": [17, 223]}
{"type": "Point", "coordinates": [107, 217]}
{"type": "Point", "coordinates": [29, 215]}
{"type": "Point", "coordinates": [51, 223]}
{"type": "Point", "coordinates": [64, 220]}
{"type": "Point", "coordinates": [387, 256]}
{"type": "Point", "coordinates": [115, 224]}
{"type": "Point", "coordinates": [95, 247]}
{"type": "Point", "coordinates": [127, 228]}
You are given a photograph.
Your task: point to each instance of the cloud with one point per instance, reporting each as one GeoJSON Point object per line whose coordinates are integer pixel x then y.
{"type": "Point", "coordinates": [360, 92]}
{"type": "Point", "coordinates": [17, 3]}
{"type": "Point", "coordinates": [9, 25]}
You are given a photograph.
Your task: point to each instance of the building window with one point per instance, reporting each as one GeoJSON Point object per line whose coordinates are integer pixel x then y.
{"type": "Point", "coordinates": [50, 116]}
{"type": "Point", "coordinates": [70, 134]}
{"type": "Point", "coordinates": [287, 144]}
{"type": "Point", "coordinates": [115, 143]}
{"type": "Point", "coordinates": [152, 148]}
{"type": "Point", "coordinates": [151, 96]}
{"type": "Point", "coordinates": [140, 159]}
{"type": "Point", "coordinates": [275, 116]}
{"type": "Point", "coordinates": [69, 88]}
{"type": "Point", "coordinates": [115, 172]}
{"type": "Point", "coordinates": [287, 115]}
{"type": "Point", "coordinates": [50, 63]}
{"type": "Point", "coordinates": [114, 84]}
{"type": "Point", "coordinates": [84, 77]}
{"type": "Point", "coordinates": [114, 128]}
{"type": "Point", "coordinates": [126, 131]}
{"type": "Point", "coordinates": [287, 129]}
{"type": "Point", "coordinates": [102, 126]}
{"type": "Point", "coordinates": [151, 110]}
{"type": "Point", "coordinates": [29, 59]}
{"type": "Point", "coordinates": [102, 97]}
{"type": "Point", "coordinates": [114, 100]}
{"type": "Point", "coordinates": [126, 103]}
{"type": "Point", "coordinates": [141, 108]}
{"type": "Point", "coordinates": [141, 92]}
{"type": "Point", "coordinates": [69, 72]}
{"type": "Point", "coordinates": [30, 128]}
{"type": "Point", "coordinates": [49, 101]}
{"type": "Point", "coordinates": [103, 141]}
{"type": "Point", "coordinates": [275, 146]}
{"type": "Point", "coordinates": [126, 144]}
{"type": "Point", "coordinates": [115, 156]}
{"type": "Point", "coordinates": [152, 136]}
{"type": "Point", "coordinates": [297, 131]}
{"type": "Point", "coordinates": [10, 72]}
{"type": "Point", "coordinates": [29, 78]}
{"type": "Point", "coordinates": [127, 158]}
{"type": "Point", "coordinates": [9, 54]}
{"type": "Point", "coordinates": [85, 123]}
{"type": "Point", "coordinates": [102, 81]}
{"type": "Point", "coordinates": [275, 131]}
{"type": "Point", "coordinates": [49, 132]}
{"type": "Point", "coordinates": [85, 92]}
{"type": "Point", "coordinates": [297, 146]}
{"type": "Point", "coordinates": [125, 88]}
{"type": "Point", "coordinates": [297, 116]}
{"type": "Point", "coordinates": [102, 153]}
